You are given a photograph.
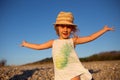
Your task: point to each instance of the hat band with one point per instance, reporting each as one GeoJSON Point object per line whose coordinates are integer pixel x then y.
{"type": "Point", "coordinates": [64, 21]}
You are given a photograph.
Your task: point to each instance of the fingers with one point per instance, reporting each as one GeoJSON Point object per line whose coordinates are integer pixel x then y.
{"type": "Point", "coordinates": [109, 28]}
{"type": "Point", "coordinates": [113, 28]}
{"type": "Point", "coordinates": [22, 44]}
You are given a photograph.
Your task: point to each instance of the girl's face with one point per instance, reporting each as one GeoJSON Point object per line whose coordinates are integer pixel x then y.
{"type": "Point", "coordinates": [64, 31]}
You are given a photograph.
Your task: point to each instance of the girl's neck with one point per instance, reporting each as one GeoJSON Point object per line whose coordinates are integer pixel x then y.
{"type": "Point", "coordinates": [63, 38]}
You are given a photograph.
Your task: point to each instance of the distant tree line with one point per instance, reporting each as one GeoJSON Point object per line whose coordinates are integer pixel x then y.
{"type": "Point", "coordinates": [112, 55]}
{"type": "Point", "coordinates": [103, 56]}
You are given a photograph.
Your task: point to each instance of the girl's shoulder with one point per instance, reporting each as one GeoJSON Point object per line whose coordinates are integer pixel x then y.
{"type": "Point", "coordinates": [50, 42]}
{"type": "Point", "coordinates": [74, 40]}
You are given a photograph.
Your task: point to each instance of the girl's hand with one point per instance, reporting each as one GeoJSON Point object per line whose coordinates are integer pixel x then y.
{"type": "Point", "coordinates": [108, 28]}
{"type": "Point", "coordinates": [23, 43]}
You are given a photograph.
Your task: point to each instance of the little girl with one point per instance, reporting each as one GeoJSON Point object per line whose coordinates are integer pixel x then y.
{"type": "Point", "coordinates": [66, 62]}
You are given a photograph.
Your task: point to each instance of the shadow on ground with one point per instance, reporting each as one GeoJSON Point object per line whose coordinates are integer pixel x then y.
{"type": "Point", "coordinates": [93, 72]}
{"type": "Point", "coordinates": [25, 75]}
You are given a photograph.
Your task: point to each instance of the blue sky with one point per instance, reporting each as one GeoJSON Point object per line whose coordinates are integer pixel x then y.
{"type": "Point", "coordinates": [32, 20]}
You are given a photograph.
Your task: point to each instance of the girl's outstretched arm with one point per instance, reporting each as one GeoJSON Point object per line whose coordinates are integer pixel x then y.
{"type": "Point", "coordinates": [81, 40]}
{"type": "Point", "coordinates": [45, 45]}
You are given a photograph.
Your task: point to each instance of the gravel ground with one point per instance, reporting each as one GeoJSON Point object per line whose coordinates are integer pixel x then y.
{"type": "Point", "coordinates": [101, 70]}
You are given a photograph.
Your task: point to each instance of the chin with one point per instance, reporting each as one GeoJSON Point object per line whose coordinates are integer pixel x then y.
{"type": "Point", "coordinates": [65, 37]}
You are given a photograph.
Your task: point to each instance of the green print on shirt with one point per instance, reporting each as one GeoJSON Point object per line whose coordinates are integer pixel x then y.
{"type": "Point", "coordinates": [62, 58]}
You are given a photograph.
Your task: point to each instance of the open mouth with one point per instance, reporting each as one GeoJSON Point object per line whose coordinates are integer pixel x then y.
{"type": "Point", "coordinates": [65, 34]}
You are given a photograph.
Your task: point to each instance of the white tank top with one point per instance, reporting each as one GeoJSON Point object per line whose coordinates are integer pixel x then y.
{"type": "Point", "coordinates": [66, 61]}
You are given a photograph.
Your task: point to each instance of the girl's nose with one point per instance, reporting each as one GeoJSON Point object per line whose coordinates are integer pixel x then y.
{"type": "Point", "coordinates": [65, 28]}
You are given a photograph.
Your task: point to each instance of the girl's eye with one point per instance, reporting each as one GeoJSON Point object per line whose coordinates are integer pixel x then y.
{"type": "Point", "coordinates": [62, 26]}
{"type": "Point", "coordinates": [69, 27]}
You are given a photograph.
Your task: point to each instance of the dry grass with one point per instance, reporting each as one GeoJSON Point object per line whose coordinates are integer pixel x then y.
{"type": "Point", "coordinates": [101, 70]}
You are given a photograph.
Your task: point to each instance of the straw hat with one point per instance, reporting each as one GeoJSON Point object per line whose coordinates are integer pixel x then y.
{"type": "Point", "coordinates": [65, 18]}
